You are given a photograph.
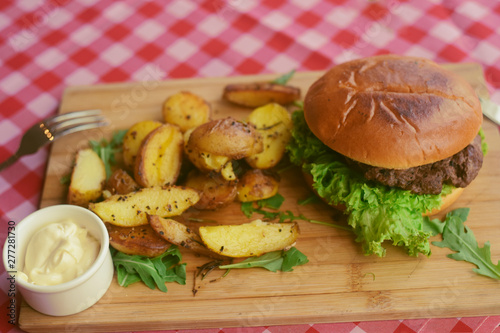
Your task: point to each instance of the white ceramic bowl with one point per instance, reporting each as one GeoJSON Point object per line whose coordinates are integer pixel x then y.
{"type": "Point", "coordinates": [78, 294]}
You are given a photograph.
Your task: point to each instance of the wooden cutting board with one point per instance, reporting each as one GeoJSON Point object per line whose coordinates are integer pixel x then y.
{"type": "Point", "coordinates": [338, 284]}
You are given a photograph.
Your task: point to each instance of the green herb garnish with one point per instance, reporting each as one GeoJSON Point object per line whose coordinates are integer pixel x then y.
{"type": "Point", "coordinates": [275, 202]}
{"type": "Point", "coordinates": [66, 179]}
{"type": "Point", "coordinates": [436, 226]}
{"type": "Point", "coordinates": [107, 150]}
{"type": "Point", "coordinates": [484, 145]}
{"type": "Point", "coordinates": [273, 261]}
{"type": "Point", "coordinates": [154, 272]}
{"type": "Point", "coordinates": [313, 198]}
{"type": "Point", "coordinates": [460, 238]}
{"type": "Point", "coordinates": [282, 80]}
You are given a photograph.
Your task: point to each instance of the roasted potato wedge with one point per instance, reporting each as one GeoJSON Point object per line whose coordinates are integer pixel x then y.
{"type": "Point", "coordinates": [186, 110]}
{"type": "Point", "coordinates": [133, 139]}
{"type": "Point", "coordinates": [249, 239]}
{"type": "Point", "coordinates": [274, 124]}
{"type": "Point", "coordinates": [120, 182]}
{"type": "Point", "coordinates": [130, 210]}
{"type": "Point", "coordinates": [256, 184]}
{"type": "Point", "coordinates": [226, 137]}
{"type": "Point", "coordinates": [207, 162]}
{"type": "Point", "coordinates": [260, 93]}
{"type": "Point", "coordinates": [215, 191]}
{"type": "Point", "coordinates": [87, 178]}
{"type": "Point", "coordinates": [159, 158]}
{"type": "Point", "coordinates": [177, 233]}
{"type": "Point", "coordinates": [141, 240]}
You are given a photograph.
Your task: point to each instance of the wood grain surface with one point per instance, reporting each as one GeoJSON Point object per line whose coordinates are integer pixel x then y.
{"type": "Point", "coordinates": [338, 284]}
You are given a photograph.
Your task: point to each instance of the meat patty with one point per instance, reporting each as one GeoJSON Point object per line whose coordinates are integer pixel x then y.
{"type": "Point", "coordinates": [458, 170]}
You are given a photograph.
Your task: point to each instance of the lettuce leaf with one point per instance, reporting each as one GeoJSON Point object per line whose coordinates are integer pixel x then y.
{"type": "Point", "coordinates": [377, 213]}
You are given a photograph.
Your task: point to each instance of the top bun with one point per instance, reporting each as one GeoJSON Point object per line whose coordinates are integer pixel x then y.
{"type": "Point", "coordinates": [392, 111]}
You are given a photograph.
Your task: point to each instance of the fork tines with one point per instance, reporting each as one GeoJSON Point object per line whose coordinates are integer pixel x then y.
{"type": "Point", "coordinates": [71, 122]}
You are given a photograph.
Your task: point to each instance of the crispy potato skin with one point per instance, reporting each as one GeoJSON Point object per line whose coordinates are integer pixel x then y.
{"type": "Point", "coordinates": [131, 210]}
{"type": "Point", "coordinates": [260, 93]}
{"type": "Point", "coordinates": [256, 184]}
{"type": "Point", "coordinates": [249, 239]}
{"type": "Point", "coordinates": [141, 240]}
{"type": "Point", "coordinates": [177, 233]}
{"type": "Point", "coordinates": [85, 186]}
{"type": "Point", "coordinates": [215, 191]}
{"type": "Point", "coordinates": [226, 137]}
{"type": "Point", "coordinates": [274, 124]}
{"type": "Point", "coordinates": [186, 110]}
{"type": "Point", "coordinates": [133, 139]}
{"type": "Point", "coordinates": [120, 182]}
{"type": "Point", "coordinates": [159, 158]}
{"type": "Point", "coordinates": [207, 162]}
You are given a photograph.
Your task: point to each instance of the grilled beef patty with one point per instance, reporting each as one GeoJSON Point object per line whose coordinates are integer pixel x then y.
{"type": "Point", "coordinates": [458, 170]}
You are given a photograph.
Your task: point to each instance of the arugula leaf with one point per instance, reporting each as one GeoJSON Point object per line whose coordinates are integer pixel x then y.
{"type": "Point", "coordinates": [126, 277]}
{"type": "Point", "coordinates": [436, 226]}
{"type": "Point", "coordinates": [282, 80]}
{"type": "Point", "coordinates": [462, 213]}
{"type": "Point", "coordinates": [313, 198]}
{"type": "Point", "coordinates": [273, 261]}
{"type": "Point", "coordinates": [247, 208]}
{"type": "Point", "coordinates": [433, 227]}
{"type": "Point", "coordinates": [117, 138]}
{"type": "Point", "coordinates": [275, 202]}
{"type": "Point", "coordinates": [106, 150]}
{"type": "Point", "coordinates": [460, 238]}
{"type": "Point", "coordinates": [154, 272]}
{"type": "Point", "coordinates": [333, 225]}
{"type": "Point", "coordinates": [292, 258]}
{"type": "Point", "coordinates": [65, 180]}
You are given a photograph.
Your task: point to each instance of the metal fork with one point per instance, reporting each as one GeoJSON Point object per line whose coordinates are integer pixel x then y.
{"type": "Point", "coordinates": [52, 129]}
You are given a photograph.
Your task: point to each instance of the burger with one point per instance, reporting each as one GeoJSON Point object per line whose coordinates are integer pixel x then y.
{"type": "Point", "coordinates": [389, 139]}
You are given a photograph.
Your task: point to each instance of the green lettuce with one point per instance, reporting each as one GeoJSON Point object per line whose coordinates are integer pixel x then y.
{"type": "Point", "coordinates": [377, 213]}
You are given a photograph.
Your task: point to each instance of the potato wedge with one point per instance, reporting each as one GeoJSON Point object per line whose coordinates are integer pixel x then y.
{"type": "Point", "coordinates": [186, 110]}
{"type": "Point", "coordinates": [159, 158]}
{"type": "Point", "coordinates": [226, 137]}
{"type": "Point", "coordinates": [177, 233]}
{"type": "Point", "coordinates": [141, 240]}
{"type": "Point", "coordinates": [133, 139]}
{"type": "Point", "coordinates": [260, 93]}
{"type": "Point", "coordinates": [130, 210]}
{"type": "Point", "coordinates": [249, 239]}
{"type": "Point", "coordinates": [274, 124]}
{"type": "Point", "coordinates": [120, 182]}
{"type": "Point", "coordinates": [207, 162]}
{"type": "Point", "coordinates": [87, 178]}
{"type": "Point", "coordinates": [215, 191]}
{"type": "Point", "coordinates": [256, 185]}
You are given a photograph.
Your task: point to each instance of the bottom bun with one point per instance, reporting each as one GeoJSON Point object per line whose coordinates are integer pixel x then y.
{"type": "Point", "coordinates": [447, 200]}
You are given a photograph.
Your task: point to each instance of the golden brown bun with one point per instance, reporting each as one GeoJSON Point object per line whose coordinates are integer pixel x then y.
{"type": "Point", "coordinates": [447, 200]}
{"type": "Point", "coordinates": [362, 108]}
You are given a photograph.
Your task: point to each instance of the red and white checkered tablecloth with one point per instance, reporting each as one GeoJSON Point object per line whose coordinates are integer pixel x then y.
{"type": "Point", "coordinates": [46, 46]}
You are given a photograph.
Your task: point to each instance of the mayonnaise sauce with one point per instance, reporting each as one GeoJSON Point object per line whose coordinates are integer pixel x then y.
{"type": "Point", "coordinates": [58, 253]}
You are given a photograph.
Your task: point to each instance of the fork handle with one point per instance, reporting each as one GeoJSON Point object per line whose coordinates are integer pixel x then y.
{"type": "Point", "coordinates": [8, 162]}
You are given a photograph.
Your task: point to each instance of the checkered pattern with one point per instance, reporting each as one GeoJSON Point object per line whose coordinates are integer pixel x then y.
{"type": "Point", "coordinates": [46, 46]}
